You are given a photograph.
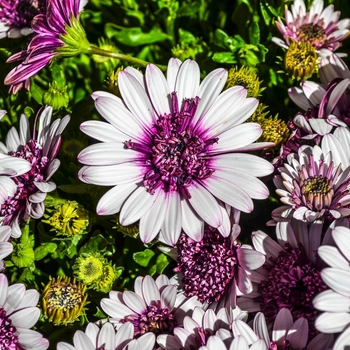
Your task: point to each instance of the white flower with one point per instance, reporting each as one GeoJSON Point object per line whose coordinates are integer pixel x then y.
{"type": "Point", "coordinates": [172, 150]}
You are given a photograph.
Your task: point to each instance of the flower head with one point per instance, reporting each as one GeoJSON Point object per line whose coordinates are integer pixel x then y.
{"type": "Point", "coordinates": [155, 306]}
{"type": "Point", "coordinates": [94, 271]}
{"type": "Point", "coordinates": [63, 301]}
{"type": "Point", "coordinates": [215, 266]}
{"type": "Point", "coordinates": [23, 196]}
{"type": "Point", "coordinates": [290, 278]}
{"type": "Point", "coordinates": [18, 313]}
{"type": "Point", "coordinates": [16, 16]}
{"type": "Point", "coordinates": [198, 328]}
{"type": "Point", "coordinates": [68, 219]}
{"type": "Point", "coordinates": [57, 33]}
{"type": "Point", "coordinates": [312, 186]}
{"type": "Point", "coordinates": [173, 156]}
{"type": "Point", "coordinates": [319, 27]}
{"type": "Point", "coordinates": [109, 338]}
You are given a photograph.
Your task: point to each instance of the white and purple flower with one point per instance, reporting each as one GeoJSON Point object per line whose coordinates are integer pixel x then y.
{"type": "Point", "coordinates": [320, 27]}
{"type": "Point", "coordinates": [174, 151]}
{"type": "Point", "coordinates": [22, 196]}
{"type": "Point", "coordinates": [108, 338]}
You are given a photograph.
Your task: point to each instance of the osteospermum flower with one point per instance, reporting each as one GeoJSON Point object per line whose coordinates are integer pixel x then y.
{"type": "Point", "coordinates": [334, 302]}
{"type": "Point", "coordinates": [312, 186]}
{"type": "Point", "coordinates": [58, 33]}
{"type": "Point", "coordinates": [285, 334]}
{"type": "Point", "coordinates": [200, 326]}
{"type": "Point", "coordinates": [63, 300]}
{"type": "Point", "coordinates": [16, 16]}
{"type": "Point", "coordinates": [23, 196]}
{"type": "Point", "coordinates": [174, 155]}
{"type": "Point", "coordinates": [214, 267]}
{"type": "Point", "coordinates": [290, 278]}
{"type": "Point", "coordinates": [18, 313]}
{"type": "Point", "coordinates": [154, 307]}
{"type": "Point", "coordinates": [319, 27]}
{"type": "Point", "coordinates": [107, 338]}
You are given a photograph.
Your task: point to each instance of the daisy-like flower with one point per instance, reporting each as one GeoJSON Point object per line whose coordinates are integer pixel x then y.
{"type": "Point", "coordinates": [18, 313]}
{"type": "Point", "coordinates": [290, 278]}
{"type": "Point", "coordinates": [23, 196]}
{"type": "Point", "coordinates": [107, 338]}
{"type": "Point", "coordinates": [58, 33]}
{"type": "Point", "coordinates": [200, 326]}
{"type": "Point", "coordinates": [155, 306]}
{"type": "Point", "coordinates": [16, 16]}
{"type": "Point", "coordinates": [214, 267]}
{"type": "Point", "coordinates": [335, 301]}
{"type": "Point", "coordinates": [320, 27]}
{"type": "Point", "coordinates": [174, 155]}
{"type": "Point", "coordinates": [286, 333]}
{"type": "Point", "coordinates": [313, 186]}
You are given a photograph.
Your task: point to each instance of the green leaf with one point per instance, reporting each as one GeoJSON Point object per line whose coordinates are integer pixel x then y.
{"type": "Point", "coordinates": [254, 32]}
{"type": "Point", "coordinates": [76, 188]}
{"type": "Point", "coordinates": [189, 9]}
{"type": "Point", "coordinates": [162, 262]}
{"type": "Point", "coordinates": [152, 270]}
{"type": "Point", "coordinates": [134, 36]}
{"type": "Point", "coordinates": [95, 244]}
{"type": "Point", "coordinates": [224, 57]}
{"type": "Point", "coordinates": [143, 258]}
{"type": "Point", "coordinates": [43, 250]}
{"type": "Point", "coordinates": [36, 92]}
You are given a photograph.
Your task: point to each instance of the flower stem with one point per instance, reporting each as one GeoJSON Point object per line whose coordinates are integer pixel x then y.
{"type": "Point", "coordinates": [94, 50]}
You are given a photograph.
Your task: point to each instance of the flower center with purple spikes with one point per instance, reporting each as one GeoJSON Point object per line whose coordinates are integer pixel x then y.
{"type": "Point", "coordinates": [177, 155]}
{"type": "Point", "coordinates": [32, 152]}
{"type": "Point", "coordinates": [154, 319]}
{"type": "Point", "coordinates": [19, 13]}
{"type": "Point", "coordinates": [8, 339]}
{"type": "Point", "coordinates": [313, 34]}
{"type": "Point", "coordinates": [292, 283]}
{"type": "Point", "coordinates": [208, 266]}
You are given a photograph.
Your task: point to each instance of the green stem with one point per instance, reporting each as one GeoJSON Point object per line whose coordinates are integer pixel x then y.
{"type": "Point", "coordinates": [94, 50]}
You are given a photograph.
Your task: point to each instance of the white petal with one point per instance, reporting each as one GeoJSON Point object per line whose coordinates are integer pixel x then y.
{"type": "Point", "coordinates": [187, 81]}
{"type": "Point", "coordinates": [331, 301]}
{"type": "Point", "coordinates": [330, 322]}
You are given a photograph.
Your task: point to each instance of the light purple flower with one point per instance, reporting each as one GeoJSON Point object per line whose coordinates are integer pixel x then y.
{"type": "Point", "coordinates": [16, 16]}
{"type": "Point", "coordinates": [18, 313]}
{"type": "Point", "coordinates": [216, 268]}
{"type": "Point", "coordinates": [23, 196]}
{"type": "Point", "coordinates": [286, 333]}
{"type": "Point", "coordinates": [174, 151]}
{"type": "Point", "coordinates": [49, 29]}
{"type": "Point", "coordinates": [313, 186]}
{"type": "Point", "coordinates": [290, 278]}
{"type": "Point", "coordinates": [335, 301]}
{"type": "Point", "coordinates": [155, 306]}
{"type": "Point", "coordinates": [107, 338]}
{"type": "Point", "coordinates": [319, 27]}
{"type": "Point", "coordinates": [203, 324]}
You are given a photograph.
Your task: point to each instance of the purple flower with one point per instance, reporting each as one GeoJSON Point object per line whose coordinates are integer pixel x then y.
{"type": "Point", "coordinates": [50, 31]}
{"type": "Point", "coordinates": [16, 16]}
{"type": "Point", "coordinates": [23, 196]}
{"type": "Point", "coordinates": [173, 151]}
{"type": "Point", "coordinates": [319, 27]}
{"type": "Point", "coordinates": [313, 186]}
{"type": "Point", "coordinates": [18, 313]}
{"type": "Point", "coordinates": [155, 306]}
{"type": "Point", "coordinates": [215, 267]}
{"type": "Point", "coordinates": [290, 278]}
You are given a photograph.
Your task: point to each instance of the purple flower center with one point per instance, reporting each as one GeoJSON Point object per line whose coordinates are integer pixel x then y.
{"type": "Point", "coordinates": [208, 266]}
{"type": "Point", "coordinates": [292, 283]}
{"type": "Point", "coordinates": [177, 153]}
{"type": "Point", "coordinates": [8, 339]}
{"type": "Point", "coordinates": [154, 319]}
{"type": "Point", "coordinates": [32, 152]}
{"type": "Point", "coordinates": [19, 13]}
{"type": "Point", "coordinates": [313, 34]}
